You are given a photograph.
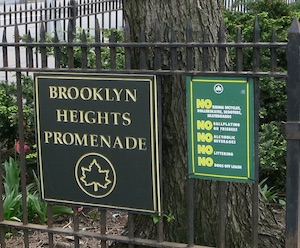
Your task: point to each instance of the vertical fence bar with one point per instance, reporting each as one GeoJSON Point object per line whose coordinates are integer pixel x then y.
{"type": "Point", "coordinates": [90, 11]}
{"type": "Point", "coordinates": [26, 17]}
{"type": "Point", "coordinates": [76, 226]}
{"type": "Point", "coordinates": [98, 48]}
{"type": "Point", "coordinates": [29, 52]}
{"type": "Point", "coordinates": [55, 16]}
{"type": "Point", "coordinates": [4, 14]}
{"type": "Point", "coordinates": [255, 191]}
{"type": "Point", "coordinates": [130, 228]}
{"type": "Point", "coordinates": [57, 54]}
{"type": "Point", "coordinates": [84, 49]}
{"type": "Point", "coordinates": [4, 52]}
{"type": "Point", "coordinates": [50, 225]}
{"type": "Point", "coordinates": [70, 49]}
{"type": "Point", "coordinates": [80, 14]}
{"type": "Point", "coordinates": [10, 16]}
{"type": "Point", "coordinates": [205, 53]}
{"type": "Point", "coordinates": [143, 61]}
{"type": "Point", "coordinates": [173, 53]}
{"type": "Point", "coordinates": [103, 222]}
{"type": "Point", "coordinates": [239, 51]}
{"type": "Point", "coordinates": [43, 48]}
{"type": "Point", "coordinates": [109, 14]}
{"type": "Point", "coordinates": [72, 14]}
{"type": "Point", "coordinates": [190, 63]}
{"type": "Point", "coordinates": [36, 33]}
{"type": "Point", "coordinates": [273, 53]}
{"type": "Point", "coordinates": [157, 66]}
{"type": "Point", "coordinates": [190, 181]}
{"type": "Point", "coordinates": [222, 50]}
{"type": "Point", "coordinates": [35, 14]}
{"type": "Point", "coordinates": [127, 49]}
{"type": "Point", "coordinates": [15, 14]}
{"type": "Point", "coordinates": [102, 18]}
{"type": "Point", "coordinates": [222, 186]}
{"type": "Point", "coordinates": [62, 14]}
{"type": "Point", "coordinates": [292, 230]}
{"type": "Point", "coordinates": [21, 136]}
{"type": "Point", "coordinates": [113, 55]}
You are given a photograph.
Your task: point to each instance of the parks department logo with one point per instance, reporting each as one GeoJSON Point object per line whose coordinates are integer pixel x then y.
{"type": "Point", "coordinates": [95, 175]}
{"type": "Point", "coordinates": [218, 88]}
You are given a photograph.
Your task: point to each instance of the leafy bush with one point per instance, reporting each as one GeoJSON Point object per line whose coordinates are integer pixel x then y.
{"type": "Point", "coordinates": [272, 148]}
{"type": "Point", "coordinates": [9, 111]}
{"type": "Point", "coordinates": [12, 197]}
{"type": "Point", "coordinates": [272, 15]}
{"type": "Point", "coordinates": [273, 100]}
{"type": "Point", "coordinates": [82, 36]}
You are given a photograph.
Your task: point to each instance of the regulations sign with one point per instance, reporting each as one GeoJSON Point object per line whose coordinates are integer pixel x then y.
{"type": "Point", "coordinates": [220, 128]}
{"type": "Point", "coordinates": [98, 140]}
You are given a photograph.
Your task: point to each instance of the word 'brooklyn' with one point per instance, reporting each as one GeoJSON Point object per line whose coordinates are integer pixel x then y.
{"type": "Point", "coordinates": [95, 94]}
{"type": "Point", "coordinates": [95, 140]}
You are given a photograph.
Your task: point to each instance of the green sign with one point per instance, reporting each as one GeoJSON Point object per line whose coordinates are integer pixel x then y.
{"type": "Point", "coordinates": [98, 140]}
{"type": "Point", "coordinates": [220, 128]}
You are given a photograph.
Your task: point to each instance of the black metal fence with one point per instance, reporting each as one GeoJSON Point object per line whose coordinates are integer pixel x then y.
{"type": "Point", "coordinates": [37, 54]}
{"type": "Point", "coordinates": [55, 15]}
{"type": "Point", "coordinates": [239, 5]}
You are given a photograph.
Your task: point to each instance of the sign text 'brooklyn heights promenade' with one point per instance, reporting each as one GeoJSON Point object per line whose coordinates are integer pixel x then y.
{"type": "Point", "coordinates": [221, 128]}
{"type": "Point", "coordinates": [98, 140]}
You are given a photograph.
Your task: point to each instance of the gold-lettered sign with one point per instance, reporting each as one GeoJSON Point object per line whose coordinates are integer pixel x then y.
{"type": "Point", "coordinates": [98, 140]}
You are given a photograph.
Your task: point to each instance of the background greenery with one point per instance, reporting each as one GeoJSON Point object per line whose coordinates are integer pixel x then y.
{"type": "Point", "coordinates": [275, 18]}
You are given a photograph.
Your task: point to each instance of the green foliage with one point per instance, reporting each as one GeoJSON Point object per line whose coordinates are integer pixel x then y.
{"type": "Point", "coordinates": [273, 100]}
{"type": "Point", "coordinates": [86, 37]}
{"type": "Point", "coordinates": [272, 15]}
{"type": "Point", "coordinates": [12, 197]}
{"type": "Point", "coordinates": [272, 148]}
{"type": "Point", "coordinates": [9, 111]}
{"type": "Point", "coordinates": [12, 204]}
{"type": "Point", "coordinates": [269, 193]}
{"type": "Point", "coordinates": [168, 218]}
{"type": "Point", "coordinates": [275, 8]}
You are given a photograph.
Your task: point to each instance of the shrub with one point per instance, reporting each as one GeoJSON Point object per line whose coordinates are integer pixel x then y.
{"type": "Point", "coordinates": [272, 15]}
{"type": "Point", "coordinates": [9, 111]}
{"type": "Point", "coordinates": [12, 197]}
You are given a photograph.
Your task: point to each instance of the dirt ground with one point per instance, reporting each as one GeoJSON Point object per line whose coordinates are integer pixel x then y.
{"type": "Point", "coordinates": [89, 221]}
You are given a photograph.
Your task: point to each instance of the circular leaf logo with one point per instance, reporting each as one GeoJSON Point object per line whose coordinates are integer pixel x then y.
{"type": "Point", "coordinates": [218, 88]}
{"type": "Point", "coordinates": [95, 175]}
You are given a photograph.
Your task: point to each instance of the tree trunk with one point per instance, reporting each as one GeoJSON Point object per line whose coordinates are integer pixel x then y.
{"type": "Point", "coordinates": [206, 19]}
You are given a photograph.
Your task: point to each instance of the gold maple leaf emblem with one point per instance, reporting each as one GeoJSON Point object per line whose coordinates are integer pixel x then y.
{"type": "Point", "coordinates": [93, 175]}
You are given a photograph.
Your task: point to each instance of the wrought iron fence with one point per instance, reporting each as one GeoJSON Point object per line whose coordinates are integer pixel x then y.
{"type": "Point", "coordinates": [32, 55]}
{"type": "Point", "coordinates": [56, 14]}
{"type": "Point", "coordinates": [239, 5]}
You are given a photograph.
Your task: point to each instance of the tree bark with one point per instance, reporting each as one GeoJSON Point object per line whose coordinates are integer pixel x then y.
{"type": "Point", "coordinates": [206, 19]}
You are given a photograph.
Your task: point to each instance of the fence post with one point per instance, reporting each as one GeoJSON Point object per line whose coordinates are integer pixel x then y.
{"type": "Point", "coordinates": [292, 133]}
{"type": "Point", "coordinates": [73, 11]}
